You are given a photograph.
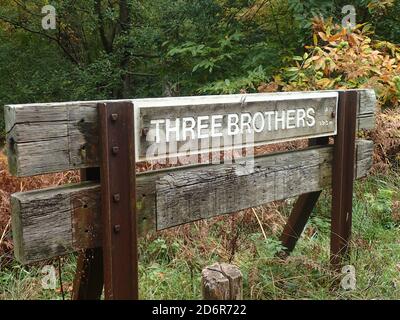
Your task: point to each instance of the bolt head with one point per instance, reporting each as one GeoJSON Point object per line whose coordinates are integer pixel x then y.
{"type": "Point", "coordinates": [117, 228]}
{"type": "Point", "coordinates": [114, 117]}
{"type": "Point", "coordinates": [116, 197]}
{"type": "Point", "coordinates": [115, 150]}
{"type": "Point", "coordinates": [145, 132]}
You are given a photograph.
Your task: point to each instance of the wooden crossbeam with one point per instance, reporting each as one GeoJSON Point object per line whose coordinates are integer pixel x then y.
{"type": "Point", "coordinates": [56, 221]}
{"type": "Point", "coordinates": [69, 132]}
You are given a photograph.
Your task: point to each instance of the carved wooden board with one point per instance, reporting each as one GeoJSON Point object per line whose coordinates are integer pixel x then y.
{"type": "Point", "coordinates": [187, 126]}
{"type": "Point", "coordinates": [53, 137]}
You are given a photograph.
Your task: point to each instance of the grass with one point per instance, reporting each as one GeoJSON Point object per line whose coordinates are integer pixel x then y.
{"type": "Point", "coordinates": [171, 261]}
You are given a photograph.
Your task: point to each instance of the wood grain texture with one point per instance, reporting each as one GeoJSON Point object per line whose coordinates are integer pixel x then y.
{"type": "Point", "coordinates": [53, 137]}
{"type": "Point", "coordinates": [229, 188]}
{"type": "Point", "coordinates": [222, 281]}
{"type": "Point", "coordinates": [43, 220]}
{"type": "Point", "coordinates": [183, 197]}
{"type": "Point", "coordinates": [366, 114]}
{"type": "Point", "coordinates": [52, 222]}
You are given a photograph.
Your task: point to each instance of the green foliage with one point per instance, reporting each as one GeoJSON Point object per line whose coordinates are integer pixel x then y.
{"type": "Point", "coordinates": [266, 248]}
{"type": "Point", "coordinates": [387, 26]}
{"type": "Point", "coordinates": [381, 203]}
{"type": "Point", "coordinates": [164, 48]}
{"type": "Point", "coordinates": [339, 59]}
{"type": "Point", "coordinates": [182, 47]}
{"type": "Point", "coordinates": [207, 53]}
{"type": "Point", "coordinates": [367, 11]}
{"type": "Point", "coordinates": [227, 86]}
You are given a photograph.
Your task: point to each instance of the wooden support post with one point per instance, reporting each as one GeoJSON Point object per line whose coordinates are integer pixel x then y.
{"type": "Point", "coordinates": [88, 281]}
{"type": "Point", "coordinates": [118, 200]}
{"type": "Point", "coordinates": [343, 176]}
{"type": "Point", "coordinates": [301, 211]}
{"type": "Point", "coordinates": [298, 219]}
{"type": "Point", "coordinates": [222, 281]}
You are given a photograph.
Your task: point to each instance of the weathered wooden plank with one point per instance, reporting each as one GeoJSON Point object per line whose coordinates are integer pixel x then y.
{"type": "Point", "coordinates": [230, 189]}
{"type": "Point", "coordinates": [51, 222]}
{"type": "Point", "coordinates": [364, 158]}
{"type": "Point", "coordinates": [52, 137]}
{"type": "Point", "coordinates": [42, 215]}
{"type": "Point", "coordinates": [366, 115]}
{"type": "Point", "coordinates": [245, 120]}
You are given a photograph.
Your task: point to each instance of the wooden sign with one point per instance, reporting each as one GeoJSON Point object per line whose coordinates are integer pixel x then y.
{"type": "Point", "coordinates": [110, 210]}
{"type": "Point", "coordinates": [177, 127]}
{"type": "Point", "coordinates": [69, 131]}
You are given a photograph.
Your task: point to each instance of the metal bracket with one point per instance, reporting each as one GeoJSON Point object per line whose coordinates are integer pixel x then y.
{"type": "Point", "coordinates": [118, 199]}
{"type": "Point", "coordinates": [343, 176]}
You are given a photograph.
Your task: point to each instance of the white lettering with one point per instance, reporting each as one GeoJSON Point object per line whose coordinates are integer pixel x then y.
{"type": "Point", "coordinates": [169, 129]}
{"type": "Point", "coordinates": [259, 120]}
{"type": "Point", "coordinates": [269, 115]}
{"type": "Point", "coordinates": [310, 117]}
{"type": "Point", "coordinates": [202, 126]}
{"type": "Point", "coordinates": [188, 128]}
{"type": "Point", "coordinates": [233, 121]}
{"type": "Point", "coordinates": [301, 116]}
{"type": "Point", "coordinates": [157, 123]}
{"type": "Point", "coordinates": [280, 120]}
{"type": "Point", "coordinates": [246, 122]}
{"type": "Point", "coordinates": [290, 119]}
{"type": "Point", "coordinates": [215, 125]}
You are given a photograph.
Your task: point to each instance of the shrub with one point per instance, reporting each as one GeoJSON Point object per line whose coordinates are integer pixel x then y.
{"type": "Point", "coordinates": [343, 59]}
{"type": "Point", "coordinates": [387, 141]}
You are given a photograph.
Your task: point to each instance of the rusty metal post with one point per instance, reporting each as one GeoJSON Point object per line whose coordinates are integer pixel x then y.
{"type": "Point", "coordinates": [301, 211]}
{"type": "Point", "coordinates": [88, 281]}
{"type": "Point", "coordinates": [118, 201]}
{"type": "Point", "coordinates": [343, 176]}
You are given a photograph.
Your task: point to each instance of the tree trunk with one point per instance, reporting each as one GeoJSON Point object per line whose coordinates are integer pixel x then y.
{"type": "Point", "coordinates": [126, 23]}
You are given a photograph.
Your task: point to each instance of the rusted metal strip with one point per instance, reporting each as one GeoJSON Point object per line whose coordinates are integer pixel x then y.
{"type": "Point", "coordinates": [343, 176]}
{"type": "Point", "coordinates": [118, 200]}
{"type": "Point", "coordinates": [301, 211]}
{"type": "Point", "coordinates": [88, 281]}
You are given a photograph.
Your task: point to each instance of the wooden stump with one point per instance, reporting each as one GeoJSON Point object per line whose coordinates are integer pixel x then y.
{"type": "Point", "coordinates": [222, 281]}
